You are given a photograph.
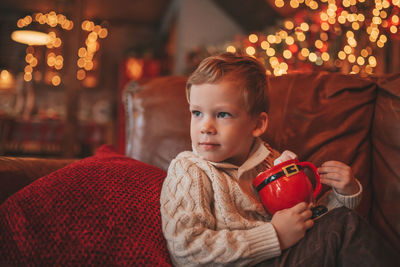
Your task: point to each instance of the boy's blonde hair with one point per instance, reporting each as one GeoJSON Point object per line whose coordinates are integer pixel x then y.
{"type": "Point", "coordinates": [248, 71]}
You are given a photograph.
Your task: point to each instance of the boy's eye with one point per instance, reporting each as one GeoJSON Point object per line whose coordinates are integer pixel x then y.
{"type": "Point", "coordinates": [224, 115]}
{"type": "Point", "coordinates": [196, 113]}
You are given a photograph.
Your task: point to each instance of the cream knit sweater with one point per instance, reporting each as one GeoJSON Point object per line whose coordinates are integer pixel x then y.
{"type": "Point", "coordinates": [211, 214]}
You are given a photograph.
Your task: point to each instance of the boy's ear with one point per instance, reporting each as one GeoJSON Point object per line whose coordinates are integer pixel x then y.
{"type": "Point", "coordinates": [261, 124]}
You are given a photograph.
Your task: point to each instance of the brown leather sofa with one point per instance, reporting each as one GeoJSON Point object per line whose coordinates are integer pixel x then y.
{"type": "Point", "coordinates": [320, 116]}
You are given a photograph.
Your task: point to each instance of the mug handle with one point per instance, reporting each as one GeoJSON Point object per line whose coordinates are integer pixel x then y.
{"type": "Point", "coordinates": [317, 188]}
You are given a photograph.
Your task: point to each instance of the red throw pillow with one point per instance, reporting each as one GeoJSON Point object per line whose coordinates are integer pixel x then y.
{"type": "Point", "coordinates": [102, 210]}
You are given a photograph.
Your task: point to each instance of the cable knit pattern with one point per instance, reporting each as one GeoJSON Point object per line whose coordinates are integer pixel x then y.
{"type": "Point", "coordinates": [211, 214]}
{"type": "Point", "coordinates": [332, 199]}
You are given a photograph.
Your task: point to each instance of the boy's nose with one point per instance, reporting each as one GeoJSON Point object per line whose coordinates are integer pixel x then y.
{"type": "Point", "coordinates": [208, 128]}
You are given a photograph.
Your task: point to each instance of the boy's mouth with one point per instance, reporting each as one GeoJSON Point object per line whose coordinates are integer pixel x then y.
{"type": "Point", "coordinates": [208, 145]}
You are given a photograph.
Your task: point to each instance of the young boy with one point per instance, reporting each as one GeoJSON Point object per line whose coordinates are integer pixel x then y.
{"type": "Point", "coordinates": [211, 214]}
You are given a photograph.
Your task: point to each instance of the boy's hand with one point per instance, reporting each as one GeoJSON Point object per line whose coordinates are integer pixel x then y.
{"type": "Point", "coordinates": [339, 176]}
{"type": "Point", "coordinates": [286, 155]}
{"type": "Point", "coordinates": [291, 224]}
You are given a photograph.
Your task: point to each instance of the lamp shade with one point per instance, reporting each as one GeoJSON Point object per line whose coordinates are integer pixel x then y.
{"type": "Point", "coordinates": [30, 37]}
{"type": "Point", "coordinates": [7, 80]}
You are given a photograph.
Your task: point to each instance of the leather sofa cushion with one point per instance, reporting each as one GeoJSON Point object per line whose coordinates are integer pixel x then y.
{"type": "Point", "coordinates": [17, 173]}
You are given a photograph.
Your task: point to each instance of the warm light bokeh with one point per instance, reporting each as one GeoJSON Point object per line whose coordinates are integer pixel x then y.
{"type": "Point", "coordinates": [335, 35]}
{"type": "Point", "coordinates": [54, 59]}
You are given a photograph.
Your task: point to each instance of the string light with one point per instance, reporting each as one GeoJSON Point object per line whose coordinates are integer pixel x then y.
{"type": "Point", "coordinates": [253, 38]}
{"type": "Point", "coordinates": [54, 59]}
{"type": "Point", "coordinates": [55, 62]}
{"type": "Point", "coordinates": [313, 35]}
{"type": "Point", "coordinates": [86, 54]}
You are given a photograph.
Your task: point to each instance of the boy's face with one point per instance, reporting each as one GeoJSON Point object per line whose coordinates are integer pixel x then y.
{"type": "Point", "coordinates": [221, 129]}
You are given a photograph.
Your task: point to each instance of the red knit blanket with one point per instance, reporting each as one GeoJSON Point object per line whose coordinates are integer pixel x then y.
{"type": "Point", "coordinates": [102, 210]}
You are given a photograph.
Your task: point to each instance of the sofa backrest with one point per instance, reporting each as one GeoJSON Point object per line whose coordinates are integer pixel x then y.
{"type": "Point", "coordinates": [385, 212]}
{"type": "Point", "coordinates": [324, 116]}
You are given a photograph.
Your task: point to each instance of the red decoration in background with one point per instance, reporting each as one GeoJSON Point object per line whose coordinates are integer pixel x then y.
{"type": "Point", "coordinates": [293, 48]}
{"type": "Point", "coordinates": [324, 48]}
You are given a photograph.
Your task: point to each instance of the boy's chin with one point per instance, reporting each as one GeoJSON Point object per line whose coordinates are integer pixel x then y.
{"type": "Point", "coordinates": [210, 155]}
{"type": "Point", "coordinates": [218, 159]}
{"type": "Point", "coordinates": [212, 158]}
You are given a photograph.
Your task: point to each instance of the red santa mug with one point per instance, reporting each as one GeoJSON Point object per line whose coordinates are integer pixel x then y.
{"type": "Point", "coordinates": [286, 185]}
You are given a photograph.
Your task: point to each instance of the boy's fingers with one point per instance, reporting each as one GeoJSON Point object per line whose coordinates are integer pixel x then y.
{"type": "Point", "coordinates": [300, 207]}
{"type": "Point", "coordinates": [331, 183]}
{"type": "Point", "coordinates": [308, 224]}
{"type": "Point", "coordinates": [327, 182]}
{"type": "Point", "coordinates": [332, 176]}
{"type": "Point", "coordinates": [326, 169]}
{"type": "Point", "coordinates": [334, 163]}
{"type": "Point", "coordinates": [306, 214]}
{"type": "Point", "coordinates": [334, 172]}
{"type": "Point", "coordinates": [331, 168]}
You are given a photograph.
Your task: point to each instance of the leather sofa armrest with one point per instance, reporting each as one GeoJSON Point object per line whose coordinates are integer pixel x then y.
{"type": "Point", "coordinates": [157, 120]}
{"type": "Point", "coordinates": [127, 98]}
{"type": "Point", "coordinates": [16, 173]}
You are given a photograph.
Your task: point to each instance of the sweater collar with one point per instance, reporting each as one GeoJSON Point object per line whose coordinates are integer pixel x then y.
{"type": "Point", "coordinates": [257, 154]}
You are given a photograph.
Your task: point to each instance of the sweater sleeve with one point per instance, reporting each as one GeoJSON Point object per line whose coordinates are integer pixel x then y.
{"type": "Point", "coordinates": [332, 199]}
{"type": "Point", "coordinates": [189, 225]}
